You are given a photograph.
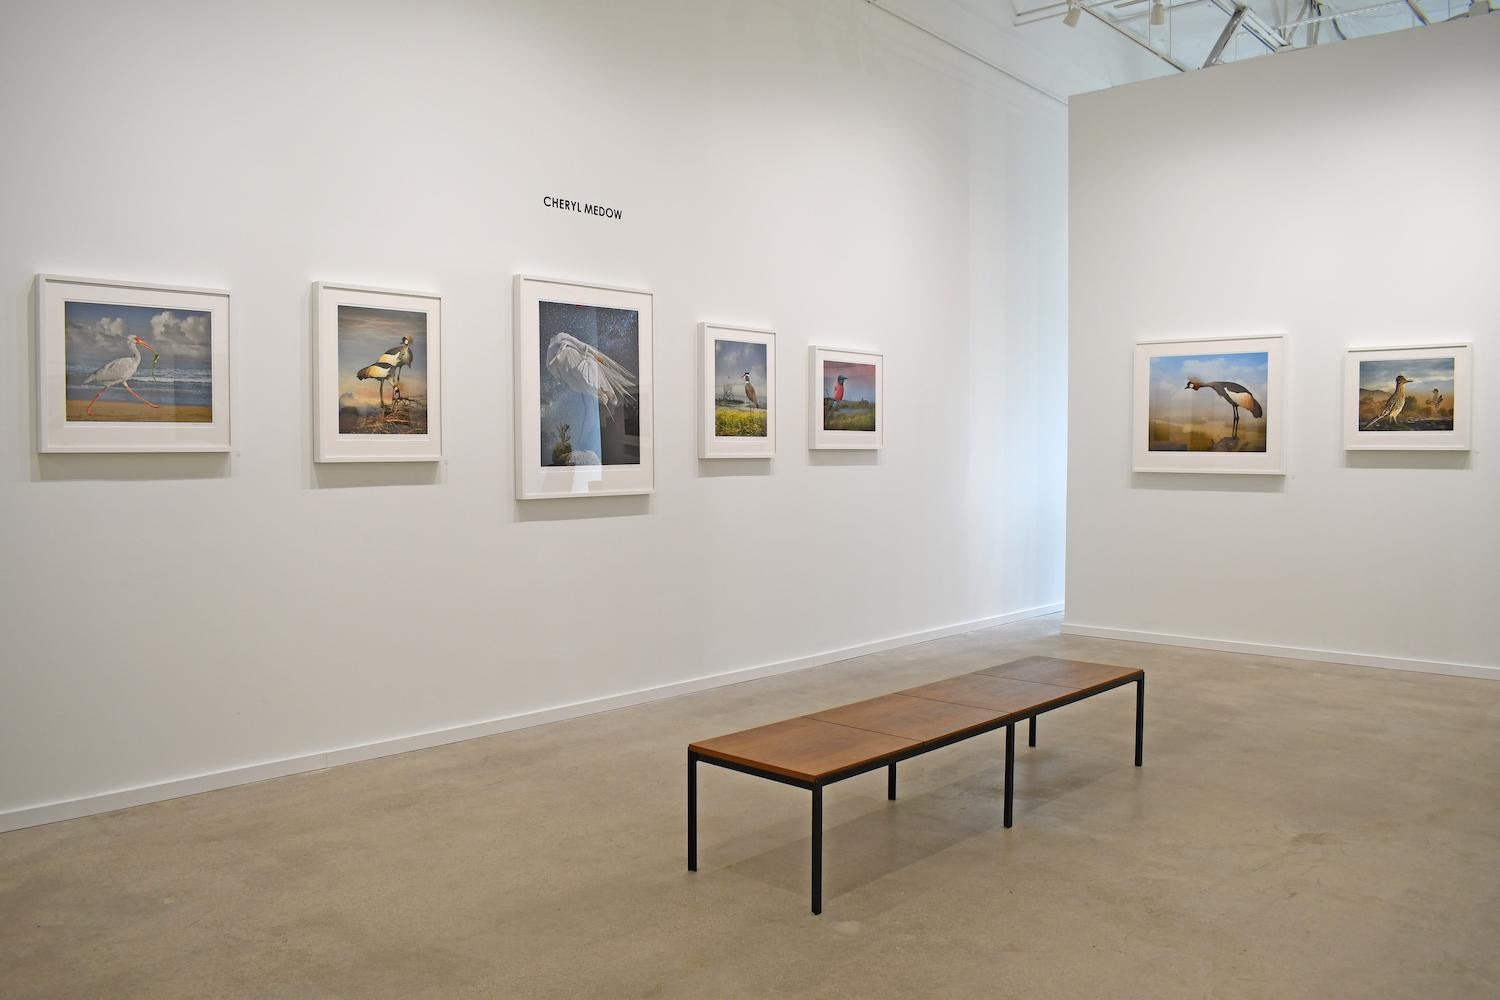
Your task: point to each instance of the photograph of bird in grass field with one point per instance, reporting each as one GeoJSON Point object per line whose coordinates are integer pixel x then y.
{"type": "Point", "coordinates": [1208, 402]}
{"type": "Point", "coordinates": [743, 397]}
{"type": "Point", "coordinates": [382, 371]}
{"type": "Point", "coordinates": [1406, 394]}
{"type": "Point", "coordinates": [849, 402]}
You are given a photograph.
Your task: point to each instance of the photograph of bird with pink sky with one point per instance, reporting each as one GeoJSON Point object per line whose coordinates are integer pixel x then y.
{"type": "Point", "coordinates": [849, 402]}
{"type": "Point", "coordinates": [1208, 402]}
{"type": "Point", "coordinates": [1407, 394]}
{"type": "Point", "coordinates": [133, 363]}
{"type": "Point", "coordinates": [382, 370]}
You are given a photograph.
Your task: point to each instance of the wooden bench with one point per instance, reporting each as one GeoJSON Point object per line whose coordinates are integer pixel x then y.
{"type": "Point", "coordinates": [816, 750]}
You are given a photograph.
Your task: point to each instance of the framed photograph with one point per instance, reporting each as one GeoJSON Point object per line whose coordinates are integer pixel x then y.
{"type": "Point", "coordinates": [1209, 406]}
{"type": "Point", "coordinates": [1408, 398]}
{"type": "Point", "coordinates": [377, 390]}
{"type": "Point", "coordinates": [124, 366]}
{"type": "Point", "coordinates": [848, 398]}
{"type": "Point", "coordinates": [583, 390]}
{"type": "Point", "coordinates": [738, 397]}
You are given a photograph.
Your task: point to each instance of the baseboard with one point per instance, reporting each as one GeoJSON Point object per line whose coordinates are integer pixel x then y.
{"type": "Point", "coordinates": [1285, 652]}
{"type": "Point", "coordinates": [53, 812]}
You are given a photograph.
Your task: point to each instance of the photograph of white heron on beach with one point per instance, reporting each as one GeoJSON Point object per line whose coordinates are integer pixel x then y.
{"type": "Point", "coordinates": [1210, 406]}
{"type": "Point", "coordinates": [583, 390]}
{"type": "Point", "coordinates": [130, 363]}
{"type": "Point", "coordinates": [126, 366]}
{"type": "Point", "coordinates": [1408, 398]}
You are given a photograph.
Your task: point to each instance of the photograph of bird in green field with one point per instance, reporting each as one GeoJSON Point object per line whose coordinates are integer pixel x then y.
{"type": "Point", "coordinates": [1208, 402]}
{"type": "Point", "coordinates": [740, 372]}
{"type": "Point", "coordinates": [849, 402]}
{"type": "Point", "coordinates": [1406, 394]}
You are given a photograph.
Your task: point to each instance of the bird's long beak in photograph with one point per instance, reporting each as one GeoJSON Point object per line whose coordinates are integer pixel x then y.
{"type": "Point", "coordinates": [147, 346]}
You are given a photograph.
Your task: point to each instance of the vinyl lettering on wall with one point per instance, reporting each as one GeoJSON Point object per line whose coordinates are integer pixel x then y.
{"type": "Point", "coordinates": [566, 205]}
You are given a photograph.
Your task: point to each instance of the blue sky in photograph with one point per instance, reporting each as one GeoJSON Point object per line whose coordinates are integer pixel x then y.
{"type": "Point", "coordinates": [859, 384]}
{"type": "Point", "coordinates": [96, 333]}
{"type": "Point", "coordinates": [1172, 400]}
{"type": "Point", "coordinates": [1425, 374]}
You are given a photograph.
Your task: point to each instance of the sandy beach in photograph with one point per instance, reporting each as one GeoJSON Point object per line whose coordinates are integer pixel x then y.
{"type": "Point", "coordinates": [112, 411]}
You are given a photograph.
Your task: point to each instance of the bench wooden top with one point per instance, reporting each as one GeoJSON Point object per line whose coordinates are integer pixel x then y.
{"type": "Point", "coordinates": [814, 746]}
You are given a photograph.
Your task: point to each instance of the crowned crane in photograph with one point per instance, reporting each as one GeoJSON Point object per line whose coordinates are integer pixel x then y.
{"type": "Point", "coordinates": [750, 393]}
{"type": "Point", "coordinates": [1237, 396]}
{"type": "Point", "coordinates": [119, 372]}
{"type": "Point", "coordinates": [1393, 405]}
{"type": "Point", "coordinates": [380, 371]}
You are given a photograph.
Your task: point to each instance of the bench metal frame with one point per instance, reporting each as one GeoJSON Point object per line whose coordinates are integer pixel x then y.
{"type": "Point", "coordinates": [889, 761]}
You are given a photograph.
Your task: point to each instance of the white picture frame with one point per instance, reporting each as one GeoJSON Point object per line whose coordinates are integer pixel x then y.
{"type": "Point", "coordinates": [863, 369]}
{"type": "Point", "coordinates": [1203, 430]}
{"type": "Point", "coordinates": [736, 392]}
{"type": "Point", "coordinates": [90, 330]}
{"type": "Point", "coordinates": [1446, 370]}
{"type": "Point", "coordinates": [388, 337]}
{"type": "Point", "coordinates": [609, 399]}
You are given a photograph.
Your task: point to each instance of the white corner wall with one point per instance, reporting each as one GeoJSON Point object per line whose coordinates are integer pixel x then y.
{"type": "Point", "coordinates": [1343, 196]}
{"type": "Point", "coordinates": [173, 623]}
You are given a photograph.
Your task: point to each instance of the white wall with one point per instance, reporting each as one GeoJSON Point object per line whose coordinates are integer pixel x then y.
{"type": "Point", "coordinates": [1344, 196]}
{"type": "Point", "coordinates": [822, 169]}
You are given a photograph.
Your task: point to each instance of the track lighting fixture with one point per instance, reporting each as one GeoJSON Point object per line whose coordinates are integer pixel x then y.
{"type": "Point", "coordinates": [1158, 13]}
{"type": "Point", "coordinates": [1071, 17]}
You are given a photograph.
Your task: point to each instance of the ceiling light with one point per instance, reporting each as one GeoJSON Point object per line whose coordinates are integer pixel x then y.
{"type": "Point", "coordinates": [1158, 13]}
{"type": "Point", "coordinates": [1071, 17]}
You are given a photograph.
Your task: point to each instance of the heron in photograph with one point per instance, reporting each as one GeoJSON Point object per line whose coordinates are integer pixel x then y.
{"type": "Point", "coordinates": [1393, 405]}
{"type": "Point", "coordinates": [588, 371]}
{"type": "Point", "coordinates": [1237, 396]}
{"type": "Point", "coordinates": [750, 393]}
{"type": "Point", "coordinates": [118, 372]}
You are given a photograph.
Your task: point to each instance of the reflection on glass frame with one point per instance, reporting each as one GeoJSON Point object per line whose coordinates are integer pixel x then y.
{"type": "Point", "coordinates": [738, 396]}
{"type": "Point", "coordinates": [1211, 405]}
{"type": "Point", "coordinates": [131, 367]}
{"type": "Point", "coordinates": [583, 389]}
{"type": "Point", "coordinates": [377, 388]}
{"type": "Point", "coordinates": [847, 403]}
{"type": "Point", "coordinates": [1408, 398]}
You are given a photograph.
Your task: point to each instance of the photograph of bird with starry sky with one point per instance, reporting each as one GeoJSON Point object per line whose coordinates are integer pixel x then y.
{"type": "Point", "coordinates": [590, 384]}
{"type": "Point", "coordinates": [382, 371]}
{"type": "Point", "coordinates": [111, 378]}
{"type": "Point", "coordinates": [1208, 402]}
{"type": "Point", "coordinates": [1407, 394]}
{"type": "Point", "coordinates": [849, 402]}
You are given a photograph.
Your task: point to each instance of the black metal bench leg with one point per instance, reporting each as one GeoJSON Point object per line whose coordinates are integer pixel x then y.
{"type": "Point", "coordinates": [1140, 718]}
{"type": "Point", "coordinates": [692, 811]}
{"type": "Point", "coordinates": [1010, 771]}
{"type": "Point", "coordinates": [890, 784]}
{"type": "Point", "coordinates": [1031, 734]}
{"type": "Point", "coordinates": [817, 849]}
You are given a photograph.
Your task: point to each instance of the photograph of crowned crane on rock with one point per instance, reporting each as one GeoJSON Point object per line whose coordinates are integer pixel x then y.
{"type": "Point", "coordinates": [590, 386]}
{"type": "Point", "coordinates": [849, 402]}
{"type": "Point", "coordinates": [1208, 402]}
{"type": "Point", "coordinates": [1412, 394]}
{"type": "Point", "coordinates": [743, 396]}
{"type": "Point", "coordinates": [382, 371]}
{"type": "Point", "coordinates": [130, 364]}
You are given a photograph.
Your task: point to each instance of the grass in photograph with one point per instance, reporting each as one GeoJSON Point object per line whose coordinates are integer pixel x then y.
{"type": "Point", "coordinates": [739, 423]}
{"type": "Point", "coordinates": [848, 416]}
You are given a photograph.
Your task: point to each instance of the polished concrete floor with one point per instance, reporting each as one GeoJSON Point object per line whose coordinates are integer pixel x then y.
{"type": "Point", "coordinates": [1299, 830]}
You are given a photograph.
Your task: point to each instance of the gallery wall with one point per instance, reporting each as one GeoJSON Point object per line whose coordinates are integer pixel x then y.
{"type": "Point", "coordinates": [1343, 197]}
{"type": "Point", "coordinates": [177, 622]}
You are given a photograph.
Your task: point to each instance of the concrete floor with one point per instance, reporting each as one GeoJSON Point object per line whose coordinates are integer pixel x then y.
{"type": "Point", "coordinates": [1299, 830]}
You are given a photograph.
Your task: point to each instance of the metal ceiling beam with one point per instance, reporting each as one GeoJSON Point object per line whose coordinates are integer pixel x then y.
{"type": "Point", "coordinates": [1224, 36]}
{"type": "Point", "coordinates": [1112, 26]}
{"type": "Point", "coordinates": [1255, 27]}
{"type": "Point", "coordinates": [1416, 9]}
